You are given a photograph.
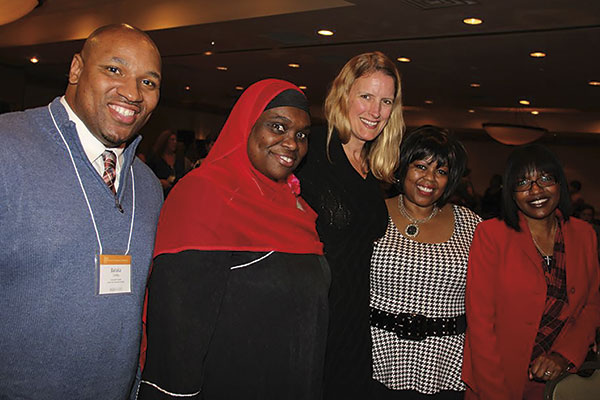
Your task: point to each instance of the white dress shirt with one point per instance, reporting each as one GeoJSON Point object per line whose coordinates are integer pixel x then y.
{"type": "Point", "coordinates": [92, 147]}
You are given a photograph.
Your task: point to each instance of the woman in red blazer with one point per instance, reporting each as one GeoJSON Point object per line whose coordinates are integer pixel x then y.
{"type": "Point", "coordinates": [532, 297]}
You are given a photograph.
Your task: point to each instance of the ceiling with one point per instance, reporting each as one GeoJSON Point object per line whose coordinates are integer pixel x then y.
{"type": "Point", "coordinates": [255, 39]}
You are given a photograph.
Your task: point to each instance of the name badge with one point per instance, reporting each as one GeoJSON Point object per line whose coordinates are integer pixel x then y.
{"type": "Point", "coordinates": [114, 274]}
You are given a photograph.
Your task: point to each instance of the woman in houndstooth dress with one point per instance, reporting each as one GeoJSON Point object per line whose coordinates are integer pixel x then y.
{"type": "Point", "coordinates": [418, 273]}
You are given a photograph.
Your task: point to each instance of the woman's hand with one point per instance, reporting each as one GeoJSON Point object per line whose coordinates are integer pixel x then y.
{"type": "Point", "coordinates": [548, 366]}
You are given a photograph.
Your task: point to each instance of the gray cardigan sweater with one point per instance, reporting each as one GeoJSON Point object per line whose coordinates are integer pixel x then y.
{"type": "Point", "coordinates": [58, 339]}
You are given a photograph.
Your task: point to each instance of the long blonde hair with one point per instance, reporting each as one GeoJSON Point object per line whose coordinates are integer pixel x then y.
{"type": "Point", "coordinates": [382, 154]}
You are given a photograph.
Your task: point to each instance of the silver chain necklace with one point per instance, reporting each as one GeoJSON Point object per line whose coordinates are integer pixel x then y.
{"type": "Point", "coordinates": [412, 229]}
{"type": "Point", "coordinates": [547, 258]}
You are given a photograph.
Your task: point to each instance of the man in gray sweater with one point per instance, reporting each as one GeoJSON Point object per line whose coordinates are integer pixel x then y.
{"type": "Point", "coordinates": [78, 214]}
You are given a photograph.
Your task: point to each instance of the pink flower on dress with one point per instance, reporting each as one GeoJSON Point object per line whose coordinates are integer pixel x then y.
{"type": "Point", "coordinates": [294, 184]}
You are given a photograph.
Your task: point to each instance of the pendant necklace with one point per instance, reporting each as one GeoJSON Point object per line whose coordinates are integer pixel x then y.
{"type": "Point", "coordinates": [547, 258]}
{"type": "Point", "coordinates": [412, 229]}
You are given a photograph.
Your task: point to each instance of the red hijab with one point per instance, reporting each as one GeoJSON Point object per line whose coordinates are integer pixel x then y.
{"type": "Point", "coordinates": [227, 204]}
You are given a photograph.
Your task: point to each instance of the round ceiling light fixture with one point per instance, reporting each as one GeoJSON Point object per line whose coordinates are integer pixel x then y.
{"type": "Point", "coordinates": [472, 21]}
{"type": "Point", "coordinates": [12, 10]}
{"type": "Point", "coordinates": [325, 32]}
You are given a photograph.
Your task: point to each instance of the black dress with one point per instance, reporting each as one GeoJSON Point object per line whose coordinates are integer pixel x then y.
{"type": "Point", "coordinates": [352, 215]}
{"type": "Point", "coordinates": [162, 170]}
{"type": "Point", "coordinates": [236, 325]}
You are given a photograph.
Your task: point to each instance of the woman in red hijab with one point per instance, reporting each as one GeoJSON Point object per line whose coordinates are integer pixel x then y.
{"type": "Point", "coordinates": [237, 299]}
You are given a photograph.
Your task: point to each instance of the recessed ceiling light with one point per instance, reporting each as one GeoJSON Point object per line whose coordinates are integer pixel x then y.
{"type": "Point", "coordinates": [222, 68]}
{"type": "Point", "coordinates": [471, 110]}
{"type": "Point", "coordinates": [325, 32]}
{"type": "Point", "coordinates": [535, 112]}
{"type": "Point", "coordinates": [475, 85]}
{"type": "Point", "coordinates": [302, 87]}
{"type": "Point", "coordinates": [34, 60]}
{"type": "Point", "coordinates": [293, 65]}
{"type": "Point", "coordinates": [212, 43]}
{"type": "Point", "coordinates": [403, 59]}
{"type": "Point", "coordinates": [524, 102]}
{"type": "Point", "coordinates": [208, 53]}
{"type": "Point", "coordinates": [594, 83]}
{"type": "Point", "coordinates": [472, 21]}
{"type": "Point", "coordinates": [187, 88]}
{"type": "Point", "coordinates": [239, 88]}
{"type": "Point", "coordinates": [537, 54]}
{"type": "Point", "coordinates": [428, 101]}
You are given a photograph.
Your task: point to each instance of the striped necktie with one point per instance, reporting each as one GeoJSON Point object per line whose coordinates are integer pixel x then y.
{"type": "Point", "coordinates": [110, 164]}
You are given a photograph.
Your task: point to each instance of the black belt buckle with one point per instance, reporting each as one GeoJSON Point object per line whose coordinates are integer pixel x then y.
{"type": "Point", "coordinates": [412, 327]}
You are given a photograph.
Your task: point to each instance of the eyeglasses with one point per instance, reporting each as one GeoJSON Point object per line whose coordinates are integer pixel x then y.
{"type": "Point", "coordinates": [543, 181]}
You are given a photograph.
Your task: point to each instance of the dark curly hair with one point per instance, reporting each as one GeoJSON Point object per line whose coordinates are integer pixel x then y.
{"type": "Point", "coordinates": [430, 141]}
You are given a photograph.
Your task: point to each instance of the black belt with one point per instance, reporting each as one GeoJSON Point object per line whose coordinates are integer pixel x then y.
{"type": "Point", "coordinates": [417, 327]}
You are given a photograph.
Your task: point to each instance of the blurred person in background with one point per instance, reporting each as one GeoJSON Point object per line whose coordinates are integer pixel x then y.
{"type": "Point", "coordinates": [169, 165]}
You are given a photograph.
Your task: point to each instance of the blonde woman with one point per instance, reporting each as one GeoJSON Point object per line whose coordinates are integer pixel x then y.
{"type": "Point", "coordinates": [339, 180]}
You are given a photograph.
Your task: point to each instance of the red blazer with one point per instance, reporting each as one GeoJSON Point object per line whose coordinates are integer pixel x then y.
{"type": "Point", "coordinates": [505, 297]}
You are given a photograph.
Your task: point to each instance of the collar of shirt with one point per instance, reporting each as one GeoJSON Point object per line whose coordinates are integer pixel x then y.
{"type": "Point", "coordinates": [92, 147]}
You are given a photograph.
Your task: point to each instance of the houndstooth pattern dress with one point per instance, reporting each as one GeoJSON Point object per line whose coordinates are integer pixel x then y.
{"type": "Point", "coordinates": [421, 278]}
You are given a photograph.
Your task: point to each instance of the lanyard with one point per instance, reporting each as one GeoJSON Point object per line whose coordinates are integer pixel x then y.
{"type": "Point", "coordinates": [86, 196]}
